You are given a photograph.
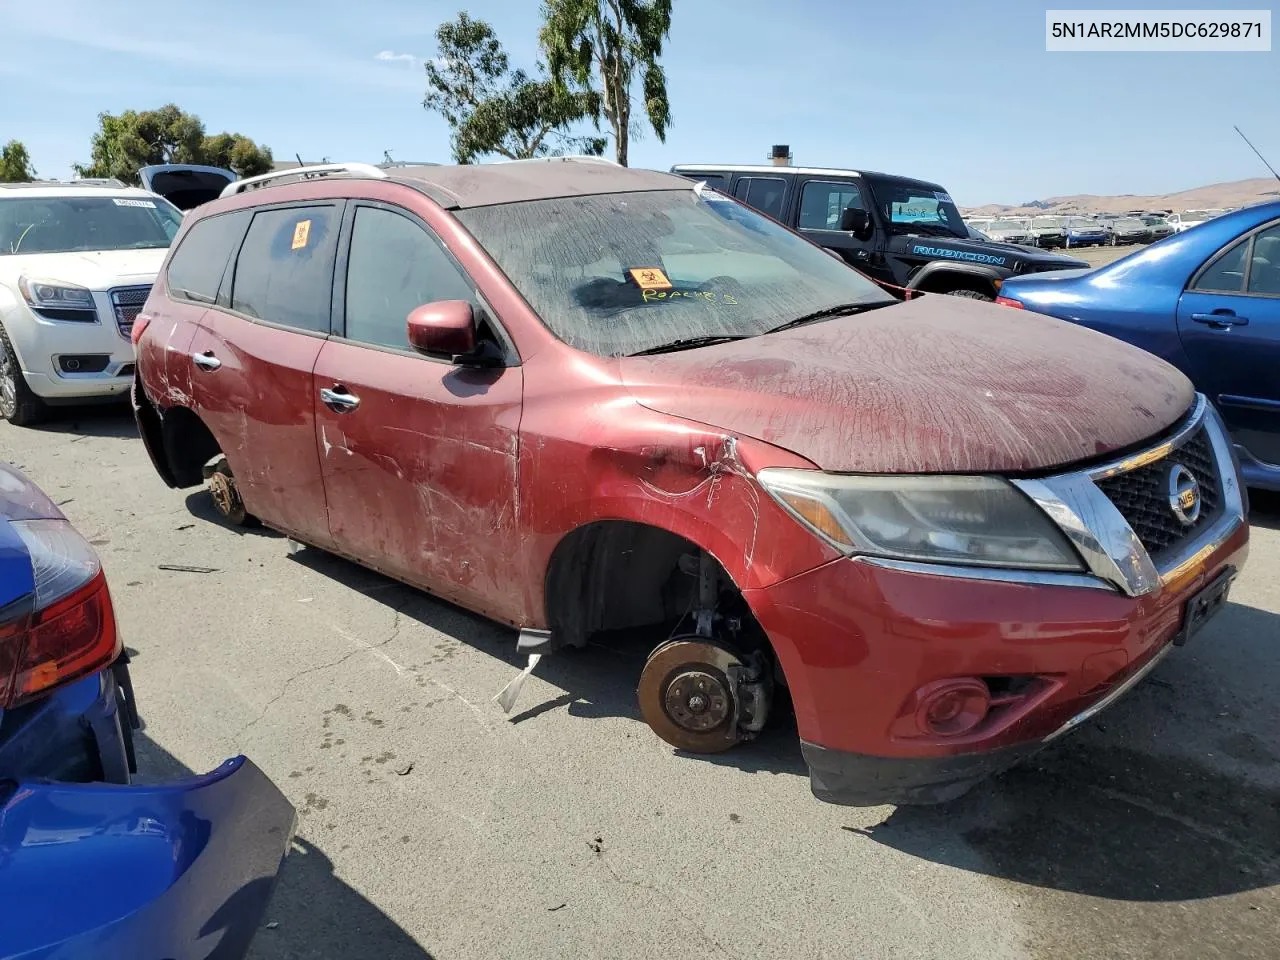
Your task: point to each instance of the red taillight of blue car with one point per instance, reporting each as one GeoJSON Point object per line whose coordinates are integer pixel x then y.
{"type": "Point", "coordinates": [71, 633]}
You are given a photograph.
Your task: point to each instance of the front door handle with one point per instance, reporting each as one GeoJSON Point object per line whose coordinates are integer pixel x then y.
{"type": "Point", "coordinates": [206, 360]}
{"type": "Point", "coordinates": [337, 399]}
{"type": "Point", "coordinates": [1220, 319]}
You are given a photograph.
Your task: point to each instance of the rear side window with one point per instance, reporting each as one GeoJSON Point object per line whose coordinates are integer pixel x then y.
{"type": "Point", "coordinates": [395, 265]}
{"type": "Point", "coordinates": [1226, 274]}
{"type": "Point", "coordinates": [763, 193]}
{"type": "Point", "coordinates": [196, 268]}
{"type": "Point", "coordinates": [284, 273]}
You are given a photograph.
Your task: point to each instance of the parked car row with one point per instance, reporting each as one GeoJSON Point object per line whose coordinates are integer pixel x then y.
{"type": "Point", "coordinates": [1092, 230]}
{"type": "Point", "coordinates": [751, 412]}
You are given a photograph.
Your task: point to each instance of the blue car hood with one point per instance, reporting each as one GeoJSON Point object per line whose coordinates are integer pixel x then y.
{"type": "Point", "coordinates": [179, 871]}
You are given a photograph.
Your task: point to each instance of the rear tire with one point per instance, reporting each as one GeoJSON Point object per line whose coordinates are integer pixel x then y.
{"type": "Point", "coordinates": [18, 403]}
{"type": "Point", "coordinates": [971, 295]}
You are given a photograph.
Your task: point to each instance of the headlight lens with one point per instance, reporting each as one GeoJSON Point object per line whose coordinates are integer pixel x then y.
{"type": "Point", "coordinates": [978, 520]}
{"type": "Point", "coordinates": [44, 293]}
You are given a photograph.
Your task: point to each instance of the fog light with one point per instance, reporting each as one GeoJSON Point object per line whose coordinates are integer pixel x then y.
{"type": "Point", "coordinates": [951, 708]}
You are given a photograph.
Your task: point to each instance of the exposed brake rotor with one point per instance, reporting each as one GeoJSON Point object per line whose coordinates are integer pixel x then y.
{"type": "Point", "coordinates": [222, 487]}
{"type": "Point", "coordinates": [687, 695]}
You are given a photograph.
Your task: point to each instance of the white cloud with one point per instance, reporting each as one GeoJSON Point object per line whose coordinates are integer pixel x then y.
{"type": "Point", "coordinates": [386, 56]}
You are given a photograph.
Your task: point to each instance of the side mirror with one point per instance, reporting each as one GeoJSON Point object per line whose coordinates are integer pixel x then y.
{"type": "Point", "coordinates": [444, 327]}
{"type": "Point", "coordinates": [857, 221]}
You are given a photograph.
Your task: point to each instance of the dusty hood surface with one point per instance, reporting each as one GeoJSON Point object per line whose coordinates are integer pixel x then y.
{"type": "Point", "coordinates": [935, 385]}
{"type": "Point", "coordinates": [96, 270]}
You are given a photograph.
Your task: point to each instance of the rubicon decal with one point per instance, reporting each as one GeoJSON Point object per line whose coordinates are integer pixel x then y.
{"type": "Point", "coordinates": [949, 254]}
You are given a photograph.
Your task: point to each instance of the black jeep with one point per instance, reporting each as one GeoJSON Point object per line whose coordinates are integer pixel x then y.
{"type": "Point", "coordinates": [905, 233]}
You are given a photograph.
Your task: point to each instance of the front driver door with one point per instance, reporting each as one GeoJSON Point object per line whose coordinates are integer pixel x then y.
{"type": "Point", "coordinates": [1229, 324]}
{"type": "Point", "coordinates": [419, 455]}
{"type": "Point", "coordinates": [821, 204]}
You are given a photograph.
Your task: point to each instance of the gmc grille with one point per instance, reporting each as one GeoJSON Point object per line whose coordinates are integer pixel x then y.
{"type": "Point", "coordinates": [127, 303]}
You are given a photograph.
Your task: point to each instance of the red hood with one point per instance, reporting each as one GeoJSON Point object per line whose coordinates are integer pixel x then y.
{"type": "Point", "coordinates": [933, 385]}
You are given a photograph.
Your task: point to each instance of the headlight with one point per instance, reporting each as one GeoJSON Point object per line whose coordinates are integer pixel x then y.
{"type": "Point", "coordinates": [47, 294]}
{"type": "Point", "coordinates": [944, 519]}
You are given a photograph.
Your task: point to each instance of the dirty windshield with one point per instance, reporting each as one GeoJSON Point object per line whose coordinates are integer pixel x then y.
{"type": "Point", "coordinates": [617, 274]}
{"type": "Point", "coordinates": [69, 224]}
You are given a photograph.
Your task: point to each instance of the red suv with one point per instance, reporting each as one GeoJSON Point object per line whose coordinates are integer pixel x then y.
{"type": "Point", "coordinates": [579, 398]}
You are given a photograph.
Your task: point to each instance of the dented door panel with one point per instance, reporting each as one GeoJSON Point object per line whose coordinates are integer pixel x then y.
{"type": "Point", "coordinates": [259, 404]}
{"type": "Point", "coordinates": [420, 476]}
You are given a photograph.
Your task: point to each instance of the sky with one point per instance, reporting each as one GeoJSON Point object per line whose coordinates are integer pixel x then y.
{"type": "Point", "coordinates": [960, 92]}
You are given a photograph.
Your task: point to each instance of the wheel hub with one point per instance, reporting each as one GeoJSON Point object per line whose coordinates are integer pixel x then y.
{"type": "Point", "coordinates": [698, 701]}
{"type": "Point", "coordinates": [687, 697]}
{"type": "Point", "coordinates": [225, 497]}
{"type": "Point", "coordinates": [8, 386]}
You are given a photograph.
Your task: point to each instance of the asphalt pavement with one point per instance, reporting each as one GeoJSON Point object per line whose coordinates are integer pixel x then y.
{"type": "Point", "coordinates": [432, 825]}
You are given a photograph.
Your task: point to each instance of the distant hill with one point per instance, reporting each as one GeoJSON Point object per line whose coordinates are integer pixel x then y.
{"type": "Point", "coordinates": [1241, 193]}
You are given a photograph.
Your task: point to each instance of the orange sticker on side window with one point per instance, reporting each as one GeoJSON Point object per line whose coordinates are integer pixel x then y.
{"type": "Point", "coordinates": [650, 278]}
{"type": "Point", "coordinates": [301, 233]}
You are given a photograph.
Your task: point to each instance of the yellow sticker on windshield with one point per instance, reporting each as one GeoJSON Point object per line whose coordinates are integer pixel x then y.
{"type": "Point", "coordinates": [650, 278]}
{"type": "Point", "coordinates": [301, 233]}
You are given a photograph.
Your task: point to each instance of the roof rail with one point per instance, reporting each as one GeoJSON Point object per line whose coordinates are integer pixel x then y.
{"type": "Point", "coordinates": [573, 157]}
{"type": "Point", "coordinates": [295, 174]}
{"type": "Point", "coordinates": [111, 182]}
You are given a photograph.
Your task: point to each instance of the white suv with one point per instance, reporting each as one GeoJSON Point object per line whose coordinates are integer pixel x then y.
{"type": "Point", "coordinates": [77, 261]}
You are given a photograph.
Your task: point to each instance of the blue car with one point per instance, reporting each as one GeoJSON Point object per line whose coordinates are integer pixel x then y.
{"type": "Point", "coordinates": [1208, 301]}
{"type": "Point", "coordinates": [1083, 232]}
{"type": "Point", "coordinates": [91, 866]}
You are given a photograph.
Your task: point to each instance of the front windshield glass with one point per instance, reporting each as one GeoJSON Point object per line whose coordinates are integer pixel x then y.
{"type": "Point", "coordinates": [1043, 222]}
{"type": "Point", "coordinates": [1153, 221]}
{"type": "Point", "coordinates": [916, 208]}
{"type": "Point", "coordinates": [616, 274]}
{"type": "Point", "coordinates": [72, 224]}
{"type": "Point", "coordinates": [1007, 225]}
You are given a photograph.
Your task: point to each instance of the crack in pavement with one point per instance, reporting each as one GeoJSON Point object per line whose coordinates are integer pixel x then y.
{"type": "Point", "coordinates": [362, 647]}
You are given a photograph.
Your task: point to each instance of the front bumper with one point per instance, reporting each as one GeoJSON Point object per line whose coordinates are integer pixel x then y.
{"type": "Point", "coordinates": [39, 343]}
{"type": "Point", "coordinates": [862, 641]}
{"type": "Point", "coordinates": [181, 871]}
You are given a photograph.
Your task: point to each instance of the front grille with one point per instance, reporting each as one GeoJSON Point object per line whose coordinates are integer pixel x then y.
{"type": "Point", "coordinates": [1142, 496]}
{"type": "Point", "coordinates": [127, 303]}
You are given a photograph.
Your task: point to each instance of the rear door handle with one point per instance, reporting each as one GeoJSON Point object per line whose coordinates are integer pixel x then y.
{"type": "Point", "coordinates": [206, 360]}
{"type": "Point", "coordinates": [1223, 320]}
{"type": "Point", "coordinates": [337, 399]}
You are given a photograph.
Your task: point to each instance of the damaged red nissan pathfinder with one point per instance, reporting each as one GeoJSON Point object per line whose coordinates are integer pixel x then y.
{"type": "Point", "coordinates": [578, 398]}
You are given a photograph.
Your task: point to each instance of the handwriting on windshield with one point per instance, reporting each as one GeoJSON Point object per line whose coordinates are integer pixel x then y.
{"type": "Point", "coordinates": [709, 295]}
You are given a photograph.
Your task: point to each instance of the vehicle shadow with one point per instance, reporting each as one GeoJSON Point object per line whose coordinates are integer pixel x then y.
{"type": "Point", "coordinates": [312, 912]}
{"type": "Point", "coordinates": [199, 504]}
{"type": "Point", "coordinates": [1264, 509]}
{"type": "Point", "coordinates": [1109, 812]}
{"type": "Point", "coordinates": [109, 420]}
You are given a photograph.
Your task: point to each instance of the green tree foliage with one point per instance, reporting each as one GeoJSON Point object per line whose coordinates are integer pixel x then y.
{"type": "Point", "coordinates": [15, 163]}
{"type": "Point", "coordinates": [599, 46]}
{"type": "Point", "coordinates": [492, 109]}
{"type": "Point", "coordinates": [168, 135]}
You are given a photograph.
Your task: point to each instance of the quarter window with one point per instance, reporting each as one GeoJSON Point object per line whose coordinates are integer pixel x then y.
{"type": "Point", "coordinates": [822, 203]}
{"type": "Point", "coordinates": [196, 268]}
{"type": "Point", "coordinates": [1226, 274]}
{"type": "Point", "coordinates": [1264, 264]}
{"type": "Point", "coordinates": [394, 266]}
{"type": "Point", "coordinates": [763, 193]}
{"type": "Point", "coordinates": [284, 273]}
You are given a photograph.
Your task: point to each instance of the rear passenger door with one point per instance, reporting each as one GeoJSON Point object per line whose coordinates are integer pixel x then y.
{"type": "Point", "coordinates": [821, 204]}
{"type": "Point", "coordinates": [419, 455]}
{"type": "Point", "coordinates": [1229, 325]}
{"type": "Point", "coordinates": [253, 359]}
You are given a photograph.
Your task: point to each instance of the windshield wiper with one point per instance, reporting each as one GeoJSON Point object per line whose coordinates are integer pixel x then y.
{"type": "Point", "coordinates": [688, 343]}
{"type": "Point", "coordinates": [826, 313]}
